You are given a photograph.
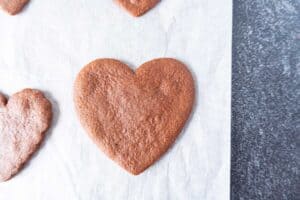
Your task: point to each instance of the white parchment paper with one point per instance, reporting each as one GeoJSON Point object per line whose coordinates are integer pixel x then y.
{"type": "Point", "coordinates": [46, 45]}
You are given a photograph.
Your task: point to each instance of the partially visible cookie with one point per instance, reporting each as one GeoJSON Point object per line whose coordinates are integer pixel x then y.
{"type": "Point", "coordinates": [134, 117]}
{"type": "Point", "coordinates": [24, 119]}
{"type": "Point", "coordinates": [13, 6]}
{"type": "Point", "coordinates": [137, 7]}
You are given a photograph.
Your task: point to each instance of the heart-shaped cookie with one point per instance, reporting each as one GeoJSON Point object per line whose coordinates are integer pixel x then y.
{"type": "Point", "coordinates": [23, 122]}
{"type": "Point", "coordinates": [137, 7]}
{"type": "Point", "coordinates": [13, 6]}
{"type": "Point", "coordinates": [134, 117]}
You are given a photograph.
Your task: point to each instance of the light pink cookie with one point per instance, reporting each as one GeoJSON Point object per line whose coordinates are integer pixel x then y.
{"type": "Point", "coordinates": [24, 120]}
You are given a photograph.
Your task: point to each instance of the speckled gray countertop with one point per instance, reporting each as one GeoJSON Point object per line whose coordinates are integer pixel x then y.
{"type": "Point", "coordinates": [265, 103]}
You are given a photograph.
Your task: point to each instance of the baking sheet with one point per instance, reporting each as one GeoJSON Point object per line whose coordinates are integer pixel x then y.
{"type": "Point", "coordinates": [45, 46]}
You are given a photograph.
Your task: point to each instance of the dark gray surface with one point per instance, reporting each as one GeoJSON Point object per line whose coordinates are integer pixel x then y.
{"type": "Point", "coordinates": [265, 103]}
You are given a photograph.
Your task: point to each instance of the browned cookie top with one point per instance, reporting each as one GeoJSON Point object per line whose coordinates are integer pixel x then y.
{"type": "Point", "coordinates": [137, 7]}
{"type": "Point", "coordinates": [134, 117]}
{"type": "Point", "coordinates": [13, 6]}
{"type": "Point", "coordinates": [23, 122]}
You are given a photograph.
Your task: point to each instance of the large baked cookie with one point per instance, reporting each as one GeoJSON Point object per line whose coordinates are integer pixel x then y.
{"type": "Point", "coordinates": [13, 6]}
{"type": "Point", "coordinates": [24, 118]}
{"type": "Point", "coordinates": [137, 7]}
{"type": "Point", "coordinates": [134, 117]}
